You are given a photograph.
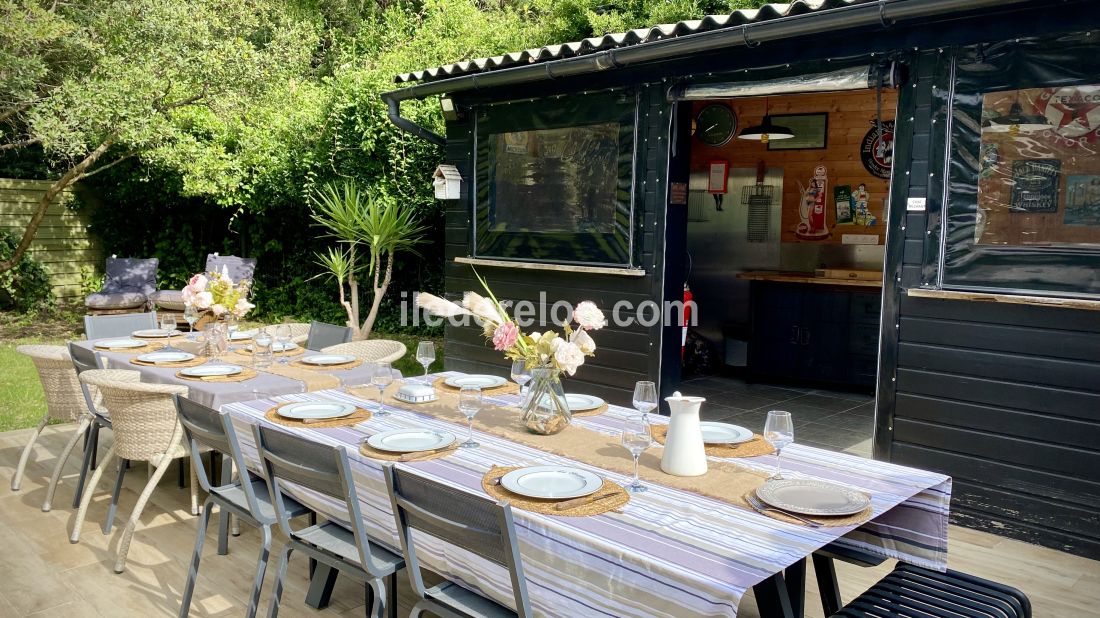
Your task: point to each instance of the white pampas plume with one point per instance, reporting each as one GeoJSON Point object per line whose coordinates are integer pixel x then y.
{"type": "Point", "coordinates": [438, 306]}
{"type": "Point", "coordinates": [480, 306]}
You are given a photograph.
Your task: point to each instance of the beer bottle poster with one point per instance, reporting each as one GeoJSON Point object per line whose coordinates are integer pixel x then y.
{"type": "Point", "coordinates": [842, 197]}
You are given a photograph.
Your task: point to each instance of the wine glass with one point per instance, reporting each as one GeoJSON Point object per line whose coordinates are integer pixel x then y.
{"type": "Point", "coordinates": [425, 354]}
{"type": "Point", "coordinates": [521, 375]}
{"type": "Point", "coordinates": [191, 314]}
{"type": "Point", "coordinates": [382, 378]}
{"type": "Point", "coordinates": [779, 432]}
{"type": "Point", "coordinates": [167, 323]}
{"type": "Point", "coordinates": [636, 437]}
{"type": "Point", "coordinates": [469, 403]}
{"type": "Point", "coordinates": [645, 397]}
{"type": "Point", "coordinates": [282, 342]}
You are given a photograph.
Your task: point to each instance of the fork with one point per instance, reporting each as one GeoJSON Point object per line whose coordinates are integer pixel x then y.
{"type": "Point", "coordinates": [760, 507]}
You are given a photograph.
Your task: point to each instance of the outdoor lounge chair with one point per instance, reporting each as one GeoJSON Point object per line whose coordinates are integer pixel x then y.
{"type": "Point", "coordinates": [240, 269]}
{"type": "Point", "coordinates": [127, 287]}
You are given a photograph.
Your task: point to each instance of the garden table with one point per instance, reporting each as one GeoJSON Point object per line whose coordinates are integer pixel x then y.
{"type": "Point", "coordinates": [668, 552]}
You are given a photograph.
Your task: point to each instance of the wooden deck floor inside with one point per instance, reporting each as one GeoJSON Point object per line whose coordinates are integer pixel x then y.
{"type": "Point", "coordinates": [42, 574]}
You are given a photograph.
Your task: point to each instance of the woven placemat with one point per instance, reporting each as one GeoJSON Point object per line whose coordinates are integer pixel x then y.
{"type": "Point", "coordinates": [361, 415]}
{"type": "Point", "coordinates": [369, 451]}
{"type": "Point", "coordinates": [593, 412]}
{"type": "Point", "coordinates": [619, 497]}
{"type": "Point", "coordinates": [194, 362]}
{"type": "Point", "coordinates": [826, 522]}
{"type": "Point", "coordinates": [173, 338]}
{"type": "Point", "coordinates": [142, 350]}
{"type": "Point", "coordinates": [508, 388]}
{"type": "Point", "coordinates": [755, 447]}
{"type": "Point", "coordinates": [245, 374]}
{"type": "Point", "coordinates": [349, 365]}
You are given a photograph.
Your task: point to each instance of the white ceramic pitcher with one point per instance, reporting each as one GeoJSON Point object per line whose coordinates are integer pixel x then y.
{"type": "Point", "coordinates": [684, 453]}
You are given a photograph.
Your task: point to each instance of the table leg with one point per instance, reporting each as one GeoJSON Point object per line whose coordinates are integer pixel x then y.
{"type": "Point", "coordinates": [825, 571]}
{"type": "Point", "coordinates": [772, 598]}
{"type": "Point", "coordinates": [796, 587]}
{"type": "Point", "coordinates": [320, 586]}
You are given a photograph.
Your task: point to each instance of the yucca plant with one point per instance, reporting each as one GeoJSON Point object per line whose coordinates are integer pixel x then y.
{"type": "Point", "coordinates": [370, 222]}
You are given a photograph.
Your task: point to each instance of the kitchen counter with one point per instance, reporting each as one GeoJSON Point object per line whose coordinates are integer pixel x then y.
{"type": "Point", "coordinates": [800, 277]}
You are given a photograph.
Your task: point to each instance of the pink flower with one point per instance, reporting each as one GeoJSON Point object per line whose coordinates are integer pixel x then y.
{"type": "Point", "coordinates": [218, 309]}
{"type": "Point", "coordinates": [197, 283]}
{"type": "Point", "coordinates": [203, 300]}
{"type": "Point", "coordinates": [505, 336]}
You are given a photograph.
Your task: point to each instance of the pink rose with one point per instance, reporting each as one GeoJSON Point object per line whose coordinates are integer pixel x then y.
{"type": "Point", "coordinates": [505, 336]}
{"type": "Point", "coordinates": [203, 300]}
{"type": "Point", "coordinates": [197, 283]}
{"type": "Point", "coordinates": [218, 309]}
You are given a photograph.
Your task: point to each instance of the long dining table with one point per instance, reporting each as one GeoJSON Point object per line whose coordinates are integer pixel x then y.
{"type": "Point", "coordinates": [668, 552]}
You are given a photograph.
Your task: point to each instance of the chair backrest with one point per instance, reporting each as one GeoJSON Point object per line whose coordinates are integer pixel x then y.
{"type": "Point", "coordinates": [59, 381]}
{"type": "Point", "coordinates": [104, 326]}
{"type": "Point", "coordinates": [131, 275]}
{"type": "Point", "coordinates": [370, 350]}
{"type": "Point", "coordinates": [240, 269]}
{"type": "Point", "coordinates": [143, 416]}
{"type": "Point", "coordinates": [290, 458]}
{"type": "Point", "coordinates": [322, 335]}
{"type": "Point", "coordinates": [206, 427]}
{"type": "Point", "coordinates": [479, 525]}
{"type": "Point", "coordinates": [83, 360]}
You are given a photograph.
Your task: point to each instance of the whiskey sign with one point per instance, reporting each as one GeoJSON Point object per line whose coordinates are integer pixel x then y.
{"type": "Point", "coordinates": [1035, 185]}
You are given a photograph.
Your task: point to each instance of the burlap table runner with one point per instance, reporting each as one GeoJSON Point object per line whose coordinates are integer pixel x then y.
{"type": "Point", "coordinates": [616, 498]}
{"type": "Point", "coordinates": [753, 448]}
{"type": "Point", "coordinates": [369, 451]}
{"type": "Point", "coordinates": [142, 350]}
{"type": "Point", "coordinates": [194, 362]}
{"type": "Point", "coordinates": [724, 481]}
{"type": "Point", "coordinates": [361, 415]}
{"type": "Point", "coordinates": [307, 366]}
{"type": "Point", "coordinates": [314, 380]}
{"type": "Point", "coordinates": [245, 374]}
{"type": "Point", "coordinates": [509, 388]}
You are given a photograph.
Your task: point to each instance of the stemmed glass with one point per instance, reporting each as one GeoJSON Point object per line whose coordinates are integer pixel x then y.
{"type": "Point", "coordinates": [191, 314]}
{"type": "Point", "coordinates": [382, 378]}
{"type": "Point", "coordinates": [645, 397]}
{"type": "Point", "coordinates": [521, 375]}
{"type": "Point", "coordinates": [167, 323]}
{"type": "Point", "coordinates": [469, 403]}
{"type": "Point", "coordinates": [636, 437]}
{"type": "Point", "coordinates": [779, 432]}
{"type": "Point", "coordinates": [425, 354]}
{"type": "Point", "coordinates": [282, 340]}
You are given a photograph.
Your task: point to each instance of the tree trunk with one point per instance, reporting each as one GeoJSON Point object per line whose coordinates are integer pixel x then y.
{"type": "Point", "coordinates": [74, 174]}
{"type": "Point", "coordinates": [352, 322]}
{"type": "Point", "coordinates": [353, 285]}
{"type": "Point", "coordinates": [379, 292]}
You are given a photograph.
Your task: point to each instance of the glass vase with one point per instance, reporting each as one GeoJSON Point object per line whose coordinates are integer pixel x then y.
{"type": "Point", "coordinates": [545, 410]}
{"type": "Point", "coordinates": [217, 339]}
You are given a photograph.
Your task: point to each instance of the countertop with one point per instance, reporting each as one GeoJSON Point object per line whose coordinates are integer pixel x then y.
{"type": "Point", "coordinates": [801, 277]}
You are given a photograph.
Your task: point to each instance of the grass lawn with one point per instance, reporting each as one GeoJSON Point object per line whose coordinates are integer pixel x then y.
{"type": "Point", "coordinates": [22, 403]}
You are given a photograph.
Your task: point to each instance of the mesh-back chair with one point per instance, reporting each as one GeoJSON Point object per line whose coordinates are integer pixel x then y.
{"type": "Point", "coordinates": [248, 497]}
{"type": "Point", "coordinates": [126, 287]}
{"type": "Point", "coordinates": [323, 335]}
{"type": "Point", "coordinates": [290, 458]}
{"type": "Point", "coordinates": [370, 350]}
{"type": "Point", "coordinates": [106, 326]}
{"type": "Point", "coordinates": [144, 423]}
{"type": "Point", "coordinates": [83, 360]}
{"type": "Point", "coordinates": [476, 524]}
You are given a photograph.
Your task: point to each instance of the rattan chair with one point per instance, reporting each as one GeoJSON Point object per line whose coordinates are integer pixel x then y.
{"type": "Point", "coordinates": [322, 335]}
{"type": "Point", "coordinates": [104, 326]}
{"type": "Point", "coordinates": [143, 419]}
{"type": "Point", "coordinates": [208, 429]}
{"type": "Point", "coordinates": [291, 458]}
{"type": "Point", "coordinates": [299, 331]}
{"type": "Point", "coordinates": [475, 523]}
{"type": "Point", "coordinates": [371, 350]}
{"type": "Point", "coordinates": [64, 403]}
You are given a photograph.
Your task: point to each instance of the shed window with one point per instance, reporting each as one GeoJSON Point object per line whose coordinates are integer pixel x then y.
{"type": "Point", "coordinates": [555, 180]}
{"type": "Point", "coordinates": [1024, 192]}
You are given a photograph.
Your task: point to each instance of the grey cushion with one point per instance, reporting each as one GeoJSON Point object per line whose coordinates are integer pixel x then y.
{"type": "Point", "coordinates": [240, 269]}
{"type": "Point", "coordinates": [131, 275]}
{"type": "Point", "coordinates": [114, 300]}
{"type": "Point", "coordinates": [168, 299]}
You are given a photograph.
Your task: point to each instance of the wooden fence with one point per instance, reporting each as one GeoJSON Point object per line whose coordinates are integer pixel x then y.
{"type": "Point", "coordinates": [62, 244]}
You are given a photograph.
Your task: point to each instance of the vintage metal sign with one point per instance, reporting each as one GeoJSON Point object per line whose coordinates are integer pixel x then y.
{"type": "Point", "coordinates": [877, 152]}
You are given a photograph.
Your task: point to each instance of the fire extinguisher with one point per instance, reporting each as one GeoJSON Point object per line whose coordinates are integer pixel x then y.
{"type": "Point", "coordinates": [686, 319]}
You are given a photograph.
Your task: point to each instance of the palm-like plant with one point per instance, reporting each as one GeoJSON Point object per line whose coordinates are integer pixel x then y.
{"type": "Point", "coordinates": [363, 220]}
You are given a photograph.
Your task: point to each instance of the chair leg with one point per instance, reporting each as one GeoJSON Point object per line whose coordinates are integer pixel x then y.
{"type": "Point", "coordinates": [112, 509]}
{"type": "Point", "coordinates": [261, 569]}
{"type": "Point", "coordinates": [135, 517]}
{"type": "Point", "coordinates": [225, 475]}
{"type": "Point", "coordinates": [74, 536]}
{"type": "Point", "coordinates": [196, 556]}
{"type": "Point", "coordinates": [17, 479]}
{"type": "Point", "coordinates": [391, 590]}
{"type": "Point", "coordinates": [60, 465]}
{"type": "Point", "coordinates": [280, 576]}
{"type": "Point", "coordinates": [87, 463]}
{"type": "Point", "coordinates": [378, 590]}
{"type": "Point", "coordinates": [194, 489]}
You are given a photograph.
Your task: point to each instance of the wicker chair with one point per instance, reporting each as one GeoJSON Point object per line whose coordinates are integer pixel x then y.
{"type": "Point", "coordinates": [371, 350]}
{"type": "Point", "coordinates": [299, 331]}
{"type": "Point", "coordinates": [145, 426]}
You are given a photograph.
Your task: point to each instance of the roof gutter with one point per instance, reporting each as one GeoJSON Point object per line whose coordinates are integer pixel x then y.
{"type": "Point", "coordinates": [882, 13]}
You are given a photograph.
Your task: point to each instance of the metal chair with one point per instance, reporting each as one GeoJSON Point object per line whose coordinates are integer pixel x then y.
{"type": "Point", "coordinates": [144, 423]}
{"type": "Point", "coordinates": [322, 335]}
{"type": "Point", "coordinates": [248, 497]}
{"type": "Point", "coordinates": [83, 360]}
{"type": "Point", "coordinates": [913, 592]}
{"type": "Point", "coordinates": [290, 458]}
{"type": "Point", "coordinates": [105, 326]}
{"type": "Point", "coordinates": [474, 523]}
{"type": "Point", "coordinates": [370, 350]}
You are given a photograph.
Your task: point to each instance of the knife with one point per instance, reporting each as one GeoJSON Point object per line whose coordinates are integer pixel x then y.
{"type": "Point", "coordinates": [425, 454]}
{"type": "Point", "coordinates": [575, 502]}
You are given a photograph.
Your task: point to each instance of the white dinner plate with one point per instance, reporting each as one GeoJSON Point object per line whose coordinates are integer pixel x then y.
{"type": "Point", "coordinates": [411, 440]}
{"type": "Point", "coordinates": [166, 357]}
{"type": "Point", "coordinates": [328, 359]}
{"type": "Point", "coordinates": [316, 410]}
{"type": "Point", "coordinates": [724, 433]}
{"type": "Point", "coordinates": [207, 371]}
{"type": "Point", "coordinates": [278, 347]}
{"type": "Point", "coordinates": [576, 402]}
{"type": "Point", "coordinates": [810, 497]}
{"type": "Point", "coordinates": [241, 335]}
{"type": "Point", "coordinates": [551, 482]}
{"type": "Point", "coordinates": [480, 381]}
{"type": "Point", "coordinates": [155, 333]}
{"type": "Point", "coordinates": [120, 344]}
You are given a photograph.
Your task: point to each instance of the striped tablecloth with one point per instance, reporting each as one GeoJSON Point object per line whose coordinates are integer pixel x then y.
{"type": "Point", "coordinates": [667, 553]}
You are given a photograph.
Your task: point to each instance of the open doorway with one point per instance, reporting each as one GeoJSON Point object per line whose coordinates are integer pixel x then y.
{"type": "Point", "coordinates": [785, 248]}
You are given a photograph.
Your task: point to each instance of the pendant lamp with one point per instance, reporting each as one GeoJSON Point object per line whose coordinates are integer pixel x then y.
{"type": "Point", "coordinates": [1016, 121]}
{"type": "Point", "coordinates": [766, 130]}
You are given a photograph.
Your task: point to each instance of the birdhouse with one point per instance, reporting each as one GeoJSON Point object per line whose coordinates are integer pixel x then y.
{"type": "Point", "coordinates": [447, 182]}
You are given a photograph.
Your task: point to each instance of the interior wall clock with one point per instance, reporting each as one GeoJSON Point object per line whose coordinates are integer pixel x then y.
{"type": "Point", "coordinates": [716, 124]}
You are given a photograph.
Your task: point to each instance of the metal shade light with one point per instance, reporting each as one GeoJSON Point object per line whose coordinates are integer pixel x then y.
{"type": "Point", "coordinates": [1016, 121]}
{"type": "Point", "coordinates": [766, 130]}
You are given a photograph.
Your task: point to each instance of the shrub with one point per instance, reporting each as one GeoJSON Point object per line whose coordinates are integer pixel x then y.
{"type": "Point", "coordinates": [26, 287]}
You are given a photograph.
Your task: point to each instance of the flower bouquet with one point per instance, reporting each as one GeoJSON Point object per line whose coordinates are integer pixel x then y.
{"type": "Point", "coordinates": [546, 354]}
{"type": "Point", "coordinates": [217, 298]}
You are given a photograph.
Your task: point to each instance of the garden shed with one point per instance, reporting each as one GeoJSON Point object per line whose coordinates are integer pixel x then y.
{"type": "Point", "coordinates": [901, 196]}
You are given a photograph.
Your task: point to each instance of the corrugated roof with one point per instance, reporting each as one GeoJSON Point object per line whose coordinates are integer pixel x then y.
{"type": "Point", "coordinates": [622, 39]}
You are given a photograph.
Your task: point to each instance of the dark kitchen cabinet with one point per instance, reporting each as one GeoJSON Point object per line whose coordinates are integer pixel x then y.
{"type": "Point", "coordinates": [814, 333]}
